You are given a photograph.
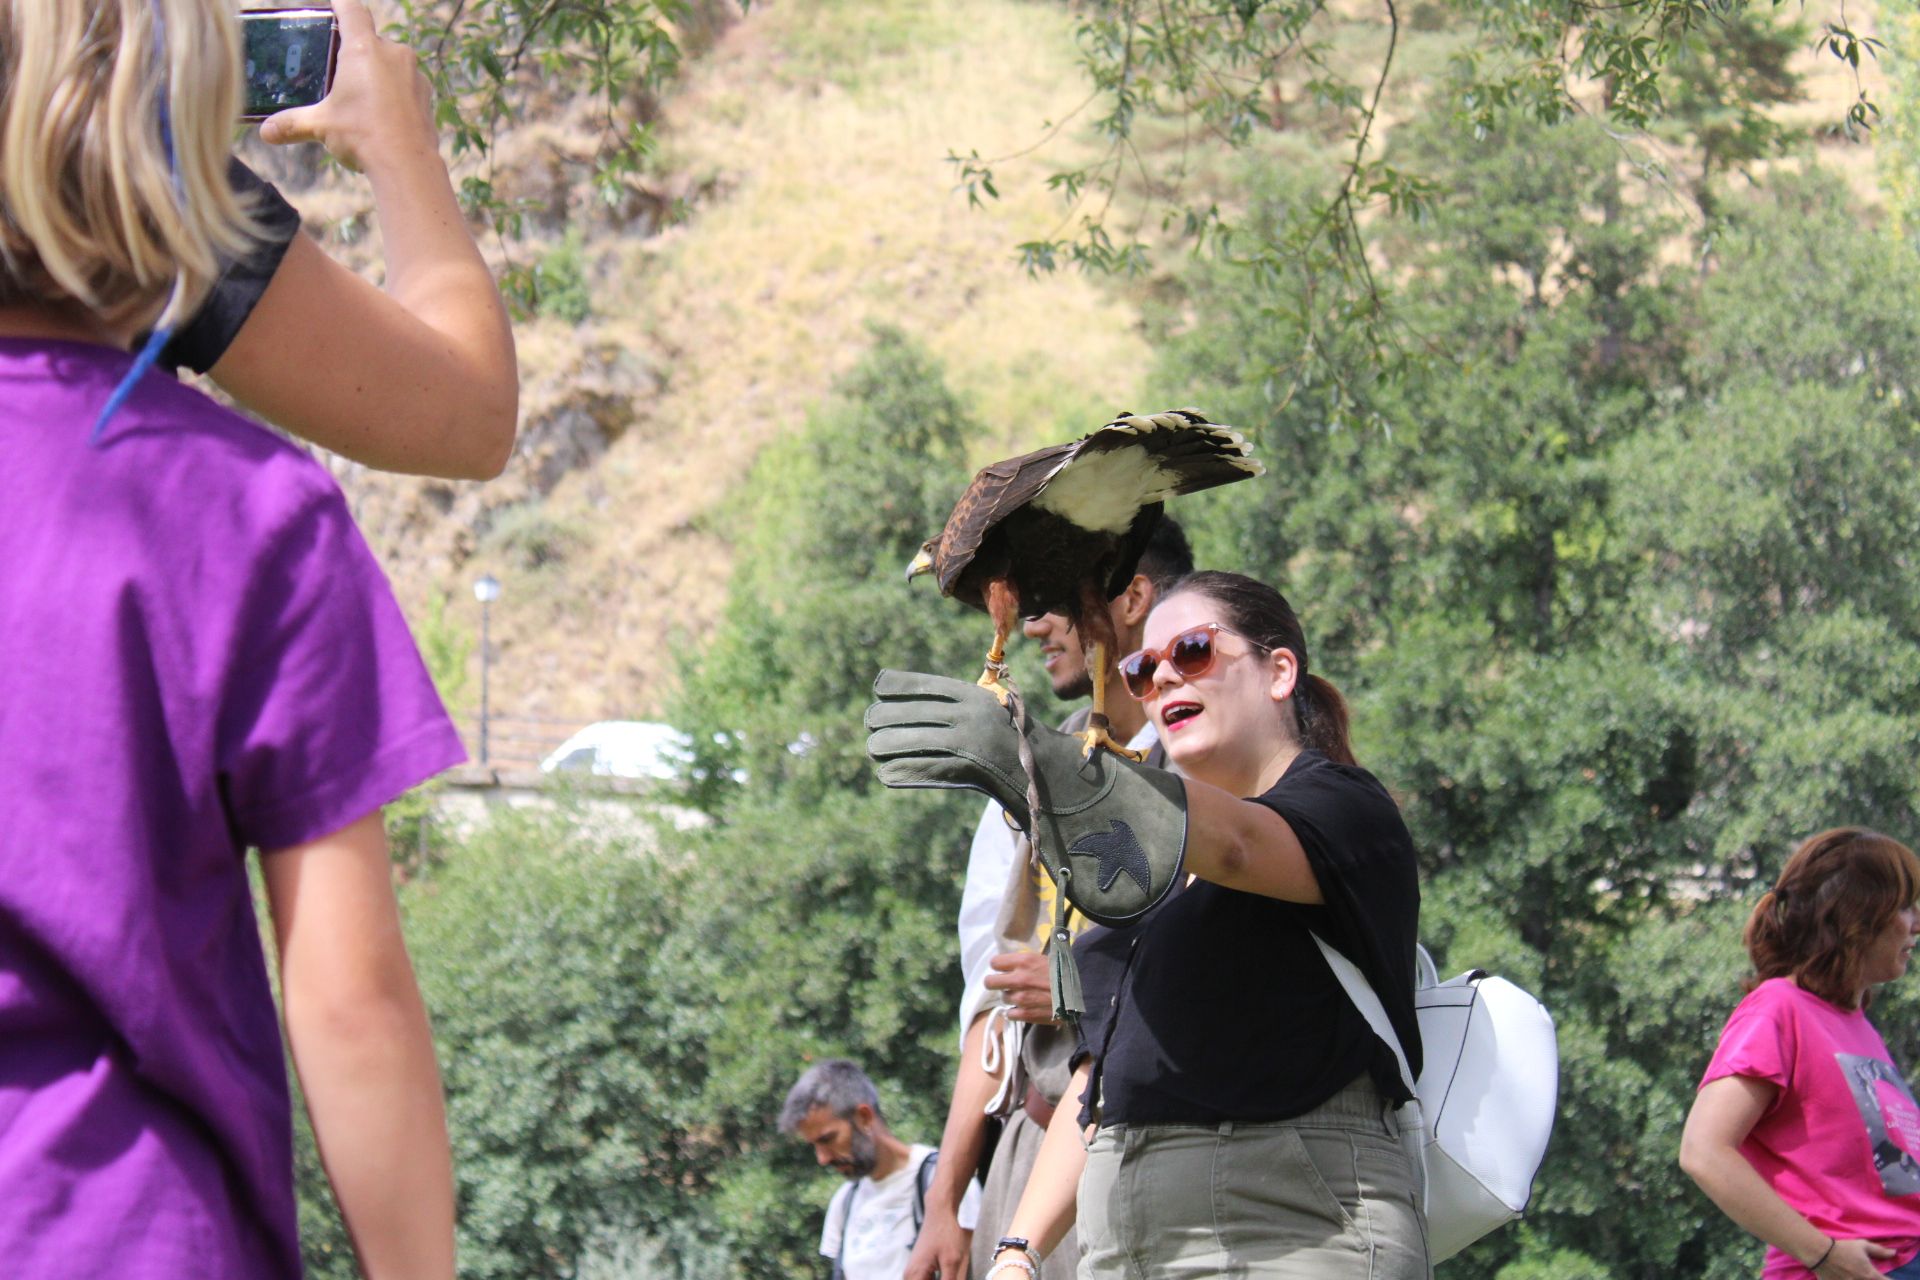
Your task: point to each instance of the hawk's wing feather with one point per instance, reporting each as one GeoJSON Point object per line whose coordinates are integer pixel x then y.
{"type": "Point", "coordinates": [1094, 500]}
{"type": "Point", "coordinates": [997, 489]}
{"type": "Point", "coordinates": [1138, 460]}
{"type": "Point", "coordinates": [1190, 452]}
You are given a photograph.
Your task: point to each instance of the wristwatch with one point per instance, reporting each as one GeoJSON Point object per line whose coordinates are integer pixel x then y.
{"type": "Point", "coordinates": [1012, 1242]}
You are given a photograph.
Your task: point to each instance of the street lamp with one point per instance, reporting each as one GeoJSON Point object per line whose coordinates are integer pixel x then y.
{"type": "Point", "coordinates": [486, 590]}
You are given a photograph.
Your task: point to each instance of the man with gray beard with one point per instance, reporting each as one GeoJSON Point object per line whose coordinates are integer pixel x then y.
{"type": "Point", "coordinates": [873, 1221]}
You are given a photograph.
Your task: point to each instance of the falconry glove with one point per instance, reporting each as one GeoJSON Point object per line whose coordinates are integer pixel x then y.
{"type": "Point", "coordinates": [1111, 833]}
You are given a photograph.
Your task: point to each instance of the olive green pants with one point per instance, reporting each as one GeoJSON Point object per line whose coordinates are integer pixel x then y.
{"type": "Point", "coordinates": [1324, 1196]}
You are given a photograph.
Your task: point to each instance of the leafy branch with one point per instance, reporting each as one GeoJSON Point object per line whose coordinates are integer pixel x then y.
{"type": "Point", "coordinates": [1225, 68]}
{"type": "Point", "coordinates": [487, 59]}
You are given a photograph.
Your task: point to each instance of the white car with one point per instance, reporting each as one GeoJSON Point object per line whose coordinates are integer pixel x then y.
{"type": "Point", "coordinates": [623, 749]}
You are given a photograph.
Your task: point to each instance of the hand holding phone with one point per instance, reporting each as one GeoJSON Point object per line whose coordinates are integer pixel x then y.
{"type": "Point", "coordinates": [379, 115]}
{"type": "Point", "coordinates": [289, 56]}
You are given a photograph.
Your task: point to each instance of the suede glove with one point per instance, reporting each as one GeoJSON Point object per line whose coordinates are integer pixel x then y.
{"type": "Point", "coordinates": [1111, 833]}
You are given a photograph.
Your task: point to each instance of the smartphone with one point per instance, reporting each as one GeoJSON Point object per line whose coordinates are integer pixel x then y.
{"type": "Point", "coordinates": [289, 56]}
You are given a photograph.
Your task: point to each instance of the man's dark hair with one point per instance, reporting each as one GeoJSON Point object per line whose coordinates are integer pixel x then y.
{"type": "Point", "coordinates": [1167, 557]}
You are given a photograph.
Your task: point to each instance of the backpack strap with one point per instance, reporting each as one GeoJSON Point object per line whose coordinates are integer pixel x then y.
{"type": "Point", "coordinates": [922, 1180]}
{"type": "Point", "coordinates": [843, 1198]}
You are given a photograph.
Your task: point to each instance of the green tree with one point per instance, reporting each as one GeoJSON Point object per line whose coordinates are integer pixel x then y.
{"type": "Point", "coordinates": [820, 905]}
{"type": "Point", "coordinates": [1774, 512]}
{"type": "Point", "coordinates": [1723, 85]}
{"type": "Point", "coordinates": [1621, 593]}
{"type": "Point", "coordinates": [1171, 80]}
{"type": "Point", "coordinates": [536, 949]}
{"type": "Point", "coordinates": [489, 59]}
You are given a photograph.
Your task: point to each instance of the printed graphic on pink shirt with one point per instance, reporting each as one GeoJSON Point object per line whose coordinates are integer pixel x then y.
{"type": "Point", "coordinates": [1892, 1119]}
{"type": "Point", "coordinates": [1902, 1117]}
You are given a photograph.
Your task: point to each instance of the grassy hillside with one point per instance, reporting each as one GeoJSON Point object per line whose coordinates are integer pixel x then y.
{"type": "Point", "coordinates": [807, 153]}
{"type": "Point", "coordinates": [801, 194]}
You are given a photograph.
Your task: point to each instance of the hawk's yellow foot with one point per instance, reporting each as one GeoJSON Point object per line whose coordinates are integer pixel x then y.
{"type": "Point", "coordinates": [993, 681]}
{"type": "Point", "coordinates": [1095, 735]}
{"type": "Point", "coordinates": [994, 678]}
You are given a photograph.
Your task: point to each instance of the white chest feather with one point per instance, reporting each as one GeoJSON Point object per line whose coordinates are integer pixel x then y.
{"type": "Point", "coordinates": [1104, 491]}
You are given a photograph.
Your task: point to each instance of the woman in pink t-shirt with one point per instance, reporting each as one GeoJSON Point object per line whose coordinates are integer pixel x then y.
{"type": "Point", "coordinates": [1804, 1132]}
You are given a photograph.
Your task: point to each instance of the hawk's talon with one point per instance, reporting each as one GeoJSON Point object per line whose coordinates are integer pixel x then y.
{"type": "Point", "coordinates": [994, 681]}
{"type": "Point", "coordinates": [1096, 735]}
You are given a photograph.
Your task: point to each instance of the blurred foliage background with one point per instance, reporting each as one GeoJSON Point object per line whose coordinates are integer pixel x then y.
{"type": "Point", "coordinates": [1596, 490]}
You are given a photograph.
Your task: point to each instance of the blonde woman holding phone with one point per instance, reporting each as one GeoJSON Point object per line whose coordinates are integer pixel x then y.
{"type": "Point", "coordinates": [416, 376]}
{"type": "Point", "coordinates": [202, 658]}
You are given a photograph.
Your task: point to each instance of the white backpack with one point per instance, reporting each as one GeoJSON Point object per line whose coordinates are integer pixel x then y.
{"type": "Point", "coordinates": [1484, 1102]}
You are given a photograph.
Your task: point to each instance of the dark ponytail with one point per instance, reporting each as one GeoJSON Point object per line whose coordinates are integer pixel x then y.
{"type": "Point", "coordinates": [1262, 615]}
{"type": "Point", "coordinates": [1322, 713]}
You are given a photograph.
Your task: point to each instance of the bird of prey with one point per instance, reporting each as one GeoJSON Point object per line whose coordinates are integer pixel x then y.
{"type": "Point", "coordinates": [1060, 530]}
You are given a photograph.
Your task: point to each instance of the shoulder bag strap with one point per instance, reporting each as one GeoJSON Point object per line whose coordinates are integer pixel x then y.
{"type": "Point", "coordinates": [1413, 1121]}
{"type": "Point", "coordinates": [1367, 1001]}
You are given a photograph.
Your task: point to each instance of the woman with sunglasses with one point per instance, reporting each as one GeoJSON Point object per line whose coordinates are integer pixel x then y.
{"type": "Point", "coordinates": [1804, 1132]}
{"type": "Point", "coordinates": [1241, 1111]}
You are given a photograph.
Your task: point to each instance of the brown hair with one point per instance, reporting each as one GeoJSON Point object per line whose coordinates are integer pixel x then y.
{"type": "Point", "coordinates": [1262, 615]}
{"type": "Point", "coordinates": [1838, 890]}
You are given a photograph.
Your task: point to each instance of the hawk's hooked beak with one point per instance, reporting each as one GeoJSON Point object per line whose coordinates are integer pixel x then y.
{"type": "Point", "coordinates": [922, 563]}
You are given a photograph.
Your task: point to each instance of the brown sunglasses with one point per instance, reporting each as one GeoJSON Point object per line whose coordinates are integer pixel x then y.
{"type": "Point", "coordinates": [1191, 654]}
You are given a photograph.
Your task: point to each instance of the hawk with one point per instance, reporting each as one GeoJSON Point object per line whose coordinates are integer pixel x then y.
{"type": "Point", "coordinates": [1060, 530]}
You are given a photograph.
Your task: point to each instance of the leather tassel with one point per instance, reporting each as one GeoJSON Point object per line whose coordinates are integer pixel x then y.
{"type": "Point", "coordinates": [1064, 975]}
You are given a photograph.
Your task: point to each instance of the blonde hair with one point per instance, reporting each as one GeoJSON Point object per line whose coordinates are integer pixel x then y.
{"type": "Point", "coordinates": [89, 207]}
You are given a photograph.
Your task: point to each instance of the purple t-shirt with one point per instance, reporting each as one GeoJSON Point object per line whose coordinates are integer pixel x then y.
{"type": "Point", "coordinates": [197, 654]}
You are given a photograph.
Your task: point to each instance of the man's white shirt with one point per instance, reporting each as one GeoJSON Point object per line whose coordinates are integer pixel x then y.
{"type": "Point", "coordinates": [879, 1225]}
{"type": "Point", "coordinates": [989, 864]}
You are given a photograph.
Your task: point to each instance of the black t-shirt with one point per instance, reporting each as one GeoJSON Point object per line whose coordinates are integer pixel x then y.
{"type": "Point", "coordinates": [201, 341]}
{"type": "Point", "coordinates": [1218, 1006]}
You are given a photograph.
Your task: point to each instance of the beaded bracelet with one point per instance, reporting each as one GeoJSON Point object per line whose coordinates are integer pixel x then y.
{"type": "Point", "coordinates": [1025, 1264]}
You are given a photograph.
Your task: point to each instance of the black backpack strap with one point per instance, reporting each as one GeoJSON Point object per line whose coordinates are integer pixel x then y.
{"type": "Point", "coordinates": [845, 1196]}
{"type": "Point", "coordinates": [921, 1181]}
